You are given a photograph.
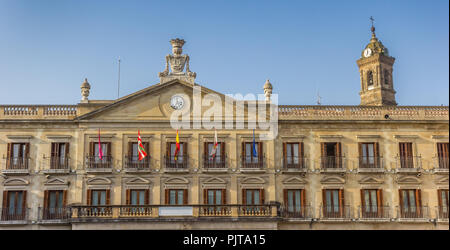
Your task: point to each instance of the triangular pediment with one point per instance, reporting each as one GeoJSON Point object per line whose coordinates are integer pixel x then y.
{"type": "Point", "coordinates": [177, 180]}
{"type": "Point", "coordinates": [408, 180]}
{"type": "Point", "coordinates": [215, 180]}
{"type": "Point", "coordinates": [253, 180]}
{"type": "Point", "coordinates": [371, 180]}
{"type": "Point", "coordinates": [99, 181]}
{"type": "Point", "coordinates": [294, 180]}
{"type": "Point", "coordinates": [56, 182]}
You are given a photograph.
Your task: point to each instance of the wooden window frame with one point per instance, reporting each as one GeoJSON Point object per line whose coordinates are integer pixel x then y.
{"type": "Point", "coordinates": [185, 196]}
{"type": "Point", "coordinates": [301, 158]}
{"type": "Point", "coordinates": [443, 155]}
{"type": "Point", "coordinates": [22, 160]}
{"type": "Point", "coordinates": [6, 214]}
{"type": "Point", "coordinates": [417, 203]}
{"type": "Point", "coordinates": [341, 204]}
{"type": "Point", "coordinates": [406, 155]}
{"type": "Point", "coordinates": [298, 212]}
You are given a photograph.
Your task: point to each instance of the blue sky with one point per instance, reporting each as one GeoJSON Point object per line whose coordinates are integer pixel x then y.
{"type": "Point", "coordinates": [48, 47]}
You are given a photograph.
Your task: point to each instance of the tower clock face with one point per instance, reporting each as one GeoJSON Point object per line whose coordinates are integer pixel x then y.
{"type": "Point", "coordinates": [177, 102]}
{"type": "Point", "coordinates": [367, 52]}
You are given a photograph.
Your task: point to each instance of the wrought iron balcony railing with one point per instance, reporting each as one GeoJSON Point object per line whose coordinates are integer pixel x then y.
{"type": "Point", "coordinates": [442, 212]}
{"type": "Point", "coordinates": [442, 163]}
{"type": "Point", "coordinates": [133, 163]}
{"type": "Point", "coordinates": [249, 162]}
{"type": "Point", "coordinates": [336, 212]}
{"type": "Point", "coordinates": [411, 163]}
{"type": "Point", "coordinates": [55, 213]}
{"type": "Point", "coordinates": [94, 162]}
{"type": "Point", "coordinates": [301, 212]}
{"type": "Point", "coordinates": [295, 163]}
{"type": "Point", "coordinates": [210, 162]}
{"type": "Point", "coordinates": [332, 162]}
{"type": "Point", "coordinates": [370, 162]}
{"type": "Point", "coordinates": [179, 162]}
{"type": "Point", "coordinates": [14, 214]}
{"type": "Point", "coordinates": [374, 212]}
{"type": "Point", "coordinates": [57, 163]}
{"type": "Point", "coordinates": [17, 163]}
{"type": "Point", "coordinates": [413, 212]}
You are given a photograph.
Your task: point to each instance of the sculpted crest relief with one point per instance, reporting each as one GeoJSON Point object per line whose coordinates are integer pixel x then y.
{"type": "Point", "coordinates": [177, 62]}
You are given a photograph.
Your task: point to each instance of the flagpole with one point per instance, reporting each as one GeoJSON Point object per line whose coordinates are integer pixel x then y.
{"type": "Point", "coordinates": [118, 81]}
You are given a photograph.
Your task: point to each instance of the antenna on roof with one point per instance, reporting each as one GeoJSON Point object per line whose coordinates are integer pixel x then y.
{"type": "Point", "coordinates": [318, 98]}
{"type": "Point", "coordinates": [118, 81]}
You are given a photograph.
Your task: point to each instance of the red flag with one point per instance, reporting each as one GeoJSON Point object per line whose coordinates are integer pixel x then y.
{"type": "Point", "coordinates": [100, 152]}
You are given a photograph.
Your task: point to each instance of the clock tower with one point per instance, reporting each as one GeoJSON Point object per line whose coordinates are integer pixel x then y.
{"type": "Point", "coordinates": [375, 68]}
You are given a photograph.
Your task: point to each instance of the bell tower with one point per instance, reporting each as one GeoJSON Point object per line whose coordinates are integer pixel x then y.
{"type": "Point", "coordinates": [375, 68]}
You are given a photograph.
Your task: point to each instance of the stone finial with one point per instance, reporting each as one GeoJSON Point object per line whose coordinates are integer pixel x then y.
{"type": "Point", "coordinates": [85, 88]}
{"type": "Point", "coordinates": [268, 90]}
{"type": "Point", "coordinates": [177, 61]}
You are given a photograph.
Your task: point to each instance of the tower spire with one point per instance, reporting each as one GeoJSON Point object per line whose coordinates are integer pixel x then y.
{"type": "Point", "coordinates": [372, 28]}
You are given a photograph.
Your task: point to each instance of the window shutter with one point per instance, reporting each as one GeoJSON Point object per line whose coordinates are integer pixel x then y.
{"type": "Point", "coordinates": [64, 198]}
{"type": "Point", "coordinates": [185, 150]}
{"type": "Point", "coordinates": [89, 197]}
{"type": "Point", "coordinates": [380, 202]}
{"type": "Point", "coordinates": [54, 149]}
{"type": "Point", "coordinates": [24, 202]}
{"type": "Point", "coordinates": [360, 145]}
{"type": "Point", "coordinates": [285, 197]}
{"type": "Point", "coordinates": [205, 150]}
{"type": "Point", "coordinates": [108, 197]}
{"type": "Point", "coordinates": [127, 197]}
{"type": "Point", "coordinates": [67, 149]}
{"type": "Point", "coordinates": [302, 193]}
{"type": "Point", "coordinates": [262, 196]}
{"type": "Point", "coordinates": [400, 191]}
{"type": "Point", "coordinates": [168, 149]}
{"type": "Point", "coordinates": [27, 150]}
{"type": "Point", "coordinates": [341, 202]}
{"type": "Point", "coordinates": [5, 199]}
{"type": "Point", "coordinates": [363, 200]}
{"type": "Point", "coordinates": [418, 198]}
{"type": "Point", "coordinates": [91, 148]}
{"type": "Point", "coordinates": [130, 151]}
{"type": "Point", "coordinates": [301, 152]}
{"type": "Point", "coordinates": [109, 149]}
{"type": "Point", "coordinates": [284, 153]}
{"type": "Point", "coordinates": [243, 153]}
{"type": "Point", "coordinates": [205, 196]}
{"type": "Point", "coordinates": [324, 154]}
{"type": "Point", "coordinates": [244, 197]}
{"type": "Point", "coordinates": [260, 151]}
{"type": "Point", "coordinates": [45, 199]}
{"type": "Point", "coordinates": [222, 151]}
{"type": "Point", "coordinates": [339, 154]}
{"type": "Point", "coordinates": [9, 152]}
{"type": "Point", "coordinates": [167, 196]}
{"type": "Point", "coordinates": [147, 197]}
{"type": "Point", "coordinates": [147, 148]}
{"type": "Point", "coordinates": [185, 196]}
{"type": "Point", "coordinates": [440, 199]}
{"type": "Point", "coordinates": [224, 196]}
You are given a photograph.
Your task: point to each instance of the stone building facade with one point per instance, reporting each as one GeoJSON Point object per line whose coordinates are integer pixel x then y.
{"type": "Point", "coordinates": [370, 166]}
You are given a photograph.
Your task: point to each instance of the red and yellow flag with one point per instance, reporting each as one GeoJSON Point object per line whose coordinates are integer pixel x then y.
{"type": "Point", "coordinates": [141, 150]}
{"type": "Point", "coordinates": [177, 149]}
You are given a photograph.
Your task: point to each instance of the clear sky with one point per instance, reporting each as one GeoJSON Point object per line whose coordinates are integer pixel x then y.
{"type": "Point", "coordinates": [48, 47]}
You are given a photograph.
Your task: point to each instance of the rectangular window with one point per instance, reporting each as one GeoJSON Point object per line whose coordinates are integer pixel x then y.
{"type": "Point", "coordinates": [176, 196]}
{"type": "Point", "coordinates": [215, 196]}
{"type": "Point", "coordinates": [371, 203]}
{"type": "Point", "coordinates": [252, 156]}
{"type": "Point", "coordinates": [443, 203]}
{"type": "Point", "coordinates": [406, 155]}
{"type": "Point", "coordinates": [54, 204]}
{"type": "Point", "coordinates": [293, 155]}
{"type": "Point", "coordinates": [219, 153]}
{"type": "Point", "coordinates": [410, 203]}
{"type": "Point", "coordinates": [368, 155]}
{"type": "Point", "coordinates": [133, 152]}
{"type": "Point", "coordinates": [331, 155]}
{"type": "Point", "coordinates": [181, 155]}
{"type": "Point", "coordinates": [17, 154]}
{"type": "Point", "coordinates": [333, 200]}
{"type": "Point", "coordinates": [294, 200]}
{"type": "Point", "coordinates": [14, 205]}
{"type": "Point", "coordinates": [59, 155]}
{"type": "Point", "coordinates": [442, 149]}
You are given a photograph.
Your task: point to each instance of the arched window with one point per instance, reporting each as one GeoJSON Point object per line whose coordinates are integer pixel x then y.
{"type": "Point", "coordinates": [386, 77]}
{"type": "Point", "coordinates": [369, 78]}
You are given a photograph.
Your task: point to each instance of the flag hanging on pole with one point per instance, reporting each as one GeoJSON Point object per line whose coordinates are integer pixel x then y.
{"type": "Point", "coordinates": [214, 149]}
{"type": "Point", "coordinates": [100, 152]}
{"type": "Point", "coordinates": [177, 146]}
{"type": "Point", "coordinates": [141, 151]}
{"type": "Point", "coordinates": [254, 153]}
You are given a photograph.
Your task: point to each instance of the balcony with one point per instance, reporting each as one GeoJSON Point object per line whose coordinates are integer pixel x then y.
{"type": "Point", "coordinates": [408, 164]}
{"type": "Point", "coordinates": [336, 213]}
{"type": "Point", "coordinates": [252, 164]}
{"type": "Point", "coordinates": [374, 213]}
{"type": "Point", "coordinates": [332, 164]}
{"type": "Point", "coordinates": [296, 213]}
{"type": "Point", "coordinates": [16, 165]}
{"type": "Point", "coordinates": [132, 164]}
{"type": "Point", "coordinates": [158, 212]}
{"type": "Point", "coordinates": [442, 213]}
{"type": "Point", "coordinates": [178, 165]}
{"type": "Point", "coordinates": [413, 214]}
{"type": "Point", "coordinates": [294, 164]}
{"type": "Point", "coordinates": [96, 165]}
{"type": "Point", "coordinates": [54, 215]}
{"type": "Point", "coordinates": [56, 165]}
{"type": "Point", "coordinates": [442, 164]}
{"type": "Point", "coordinates": [216, 164]}
{"type": "Point", "coordinates": [370, 164]}
{"type": "Point", "coordinates": [14, 216]}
